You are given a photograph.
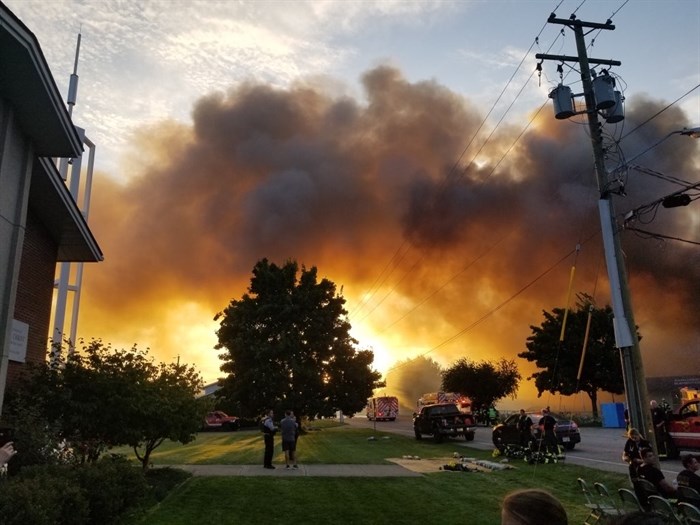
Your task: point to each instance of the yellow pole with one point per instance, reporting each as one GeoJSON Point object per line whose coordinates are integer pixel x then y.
{"type": "Point", "coordinates": [585, 342]}
{"type": "Point", "coordinates": [566, 307]}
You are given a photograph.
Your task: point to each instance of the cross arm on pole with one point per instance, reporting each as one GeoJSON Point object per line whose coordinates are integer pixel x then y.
{"type": "Point", "coordinates": [567, 58]}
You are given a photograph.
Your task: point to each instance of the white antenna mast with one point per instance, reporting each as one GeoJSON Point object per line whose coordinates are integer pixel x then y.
{"type": "Point", "coordinates": [63, 283]}
{"type": "Point", "coordinates": [73, 84]}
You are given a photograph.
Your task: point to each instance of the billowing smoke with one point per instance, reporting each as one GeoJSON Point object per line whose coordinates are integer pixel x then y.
{"type": "Point", "coordinates": [436, 252]}
{"type": "Point", "coordinates": [409, 379]}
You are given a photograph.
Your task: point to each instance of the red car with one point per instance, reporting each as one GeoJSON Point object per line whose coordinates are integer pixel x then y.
{"type": "Point", "coordinates": [219, 420]}
{"type": "Point", "coordinates": [684, 428]}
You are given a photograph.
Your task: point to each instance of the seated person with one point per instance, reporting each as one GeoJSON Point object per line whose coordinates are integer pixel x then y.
{"type": "Point", "coordinates": [689, 476]}
{"type": "Point", "coordinates": [649, 472]}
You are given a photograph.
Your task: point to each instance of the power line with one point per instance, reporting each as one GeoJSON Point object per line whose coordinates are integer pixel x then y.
{"type": "Point", "coordinates": [499, 306]}
{"type": "Point", "coordinates": [661, 236]}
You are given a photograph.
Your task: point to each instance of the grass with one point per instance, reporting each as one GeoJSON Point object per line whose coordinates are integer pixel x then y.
{"type": "Point", "coordinates": [471, 498]}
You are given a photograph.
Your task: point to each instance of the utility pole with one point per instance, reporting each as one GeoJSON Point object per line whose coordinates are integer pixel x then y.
{"type": "Point", "coordinates": [625, 328]}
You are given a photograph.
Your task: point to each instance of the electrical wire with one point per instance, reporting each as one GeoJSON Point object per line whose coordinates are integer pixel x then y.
{"type": "Point", "coordinates": [391, 265]}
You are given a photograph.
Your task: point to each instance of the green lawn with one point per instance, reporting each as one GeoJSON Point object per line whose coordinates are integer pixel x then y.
{"type": "Point", "coordinates": [437, 498]}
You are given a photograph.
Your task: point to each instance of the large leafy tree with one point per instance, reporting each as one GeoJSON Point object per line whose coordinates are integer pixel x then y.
{"type": "Point", "coordinates": [287, 345]}
{"type": "Point", "coordinates": [484, 382]}
{"type": "Point", "coordinates": [559, 362]}
{"type": "Point", "coordinates": [98, 397]}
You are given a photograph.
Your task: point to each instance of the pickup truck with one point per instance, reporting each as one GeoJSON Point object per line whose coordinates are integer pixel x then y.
{"type": "Point", "coordinates": [442, 420]}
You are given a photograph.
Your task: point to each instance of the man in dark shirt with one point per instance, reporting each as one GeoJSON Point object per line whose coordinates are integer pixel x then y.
{"type": "Point", "coordinates": [524, 428]}
{"type": "Point", "coordinates": [658, 419]}
{"type": "Point", "coordinates": [649, 472]}
{"type": "Point", "coordinates": [549, 437]}
{"type": "Point", "coordinates": [689, 476]}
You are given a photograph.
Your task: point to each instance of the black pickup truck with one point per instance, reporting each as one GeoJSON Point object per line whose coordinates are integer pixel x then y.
{"type": "Point", "coordinates": [441, 421]}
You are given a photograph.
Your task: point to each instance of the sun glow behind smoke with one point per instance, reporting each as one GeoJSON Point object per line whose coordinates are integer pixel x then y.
{"type": "Point", "coordinates": [355, 188]}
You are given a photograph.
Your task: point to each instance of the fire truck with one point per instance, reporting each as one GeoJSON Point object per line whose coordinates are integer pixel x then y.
{"type": "Point", "coordinates": [464, 404]}
{"type": "Point", "coordinates": [384, 408]}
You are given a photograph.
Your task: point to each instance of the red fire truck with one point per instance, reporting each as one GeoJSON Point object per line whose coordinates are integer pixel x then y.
{"type": "Point", "coordinates": [384, 408]}
{"type": "Point", "coordinates": [464, 404]}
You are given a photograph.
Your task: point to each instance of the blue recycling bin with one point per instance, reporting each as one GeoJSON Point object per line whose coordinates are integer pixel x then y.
{"type": "Point", "coordinates": [613, 415]}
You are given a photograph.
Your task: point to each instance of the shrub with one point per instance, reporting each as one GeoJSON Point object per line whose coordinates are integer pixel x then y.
{"type": "Point", "coordinates": [43, 496]}
{"type": "Point", "coordinates": [112, 486]}
{"type": "Point", "coordinates": [91, 494]}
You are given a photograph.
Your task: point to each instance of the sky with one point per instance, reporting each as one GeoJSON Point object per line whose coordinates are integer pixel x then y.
{"type": "Point", "coordinates": [408, 150]}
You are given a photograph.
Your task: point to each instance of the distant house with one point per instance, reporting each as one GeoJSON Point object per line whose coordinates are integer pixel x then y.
{"type": "Point", "coordinates": [210, 389]}
{"type": "Point", "coordinates": [40, 223]}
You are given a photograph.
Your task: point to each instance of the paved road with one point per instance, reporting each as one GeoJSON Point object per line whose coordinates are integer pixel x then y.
{"type": "Point", "coordinates": [600, 448]}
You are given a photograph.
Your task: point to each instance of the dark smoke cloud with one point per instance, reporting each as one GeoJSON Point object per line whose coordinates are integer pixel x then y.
{"type": "Point", "coordinates": [345, 185]}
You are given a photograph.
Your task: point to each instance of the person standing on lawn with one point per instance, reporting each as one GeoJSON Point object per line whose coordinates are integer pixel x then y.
{"type": "Point", "coordinates": [548, 425]}
{"type": "Point", "coordinates": [524, 425]}
{"type": "Point", "coordinates": [268, 429]}
{"type": "Point", "coordinates": [290, 431]}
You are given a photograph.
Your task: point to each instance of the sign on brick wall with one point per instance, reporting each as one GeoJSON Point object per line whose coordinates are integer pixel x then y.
{"type": "Point", "coordinates": [18, 341]}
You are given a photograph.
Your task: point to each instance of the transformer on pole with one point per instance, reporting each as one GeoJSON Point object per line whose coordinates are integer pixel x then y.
{"type": "Point", "coordinates": [601, 98]}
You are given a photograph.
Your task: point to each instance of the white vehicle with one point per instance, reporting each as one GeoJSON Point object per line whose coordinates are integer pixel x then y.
{"type": "Point", "coordinates": [384, 408]}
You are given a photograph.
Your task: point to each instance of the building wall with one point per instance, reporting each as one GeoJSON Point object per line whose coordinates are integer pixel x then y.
{"type": "Point", "coordinates": [16, 158]}
{"type": "Point", "coordinates": [34, 292]}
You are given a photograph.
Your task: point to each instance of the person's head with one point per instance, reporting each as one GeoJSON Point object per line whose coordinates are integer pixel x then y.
{"type": "Point", "coordinates": [270, 412]}
{"type": "Point", "coordinates": [653, 403]}
{"type": "Point", "coordinates": [647, 455]}
{"type": "Point", "coordinates": [532, 507]}
{"type": "Point", "coordinates": [545, 411]}
{"type": "Point", "coordinates": [288, 413]}
{"type": "Point", "coordinates": [522, 411]}
{"type": "Point", "coordinates": [634, 434]}
{"type": "Point", "coordinates": [690, 462]}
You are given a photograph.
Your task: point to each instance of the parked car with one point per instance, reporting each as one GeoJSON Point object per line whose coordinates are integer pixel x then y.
{"type": "Point", "coordinates": [218, 420]}
{"type": "Point", "coordinates": [683, 428]}
{"type": "Point", "coordinates": [506, 433]}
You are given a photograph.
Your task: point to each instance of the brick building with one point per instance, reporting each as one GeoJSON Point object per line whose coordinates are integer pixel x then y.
{"type": "Point", "coordinates": [40, 223]}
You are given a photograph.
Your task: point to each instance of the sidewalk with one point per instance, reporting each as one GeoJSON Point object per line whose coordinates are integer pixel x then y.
{"type": "Point", "coordinates": [365, 471]}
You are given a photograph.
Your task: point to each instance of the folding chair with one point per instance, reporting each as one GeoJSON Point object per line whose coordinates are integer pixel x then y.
{"type": "Point", "coordinates": [643, 489]}
{"type": "Point", "coordinates": [663, 507]}
{"type": "Point", "coordinates": [630, 502]}
{"type": "Point", "coordinates": [608, 507]}
{"type": "Point", "coordinates": [688, 495]}
{"type": "Point", "coordinates": [594, 511]}
{"type": "Point", "coordinates": [690, 513]}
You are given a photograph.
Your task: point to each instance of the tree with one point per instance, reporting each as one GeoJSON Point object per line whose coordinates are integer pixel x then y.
{"type": "Point", "coordinates": [287, 345]}
{"type": "Point", "coordinates": [97, 398]}
{"type": "Point", "coordinates": [602, 369]}
{"type": "Point", "coordinates": [485, 382]}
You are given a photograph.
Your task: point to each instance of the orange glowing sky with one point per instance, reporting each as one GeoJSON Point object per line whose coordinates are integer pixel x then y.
{"type": "Point", "coordinates": [358, 190]}
{"type": "Point", "coordinates": [359, 137]}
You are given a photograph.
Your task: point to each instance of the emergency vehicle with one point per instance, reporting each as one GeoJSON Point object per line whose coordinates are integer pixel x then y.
{"type": "Point", "coordinates": [464, 404]}
{"type": "Point", "coordinates": [683, 425]}
{"type": "Point", "coordinates": [384, 408]}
